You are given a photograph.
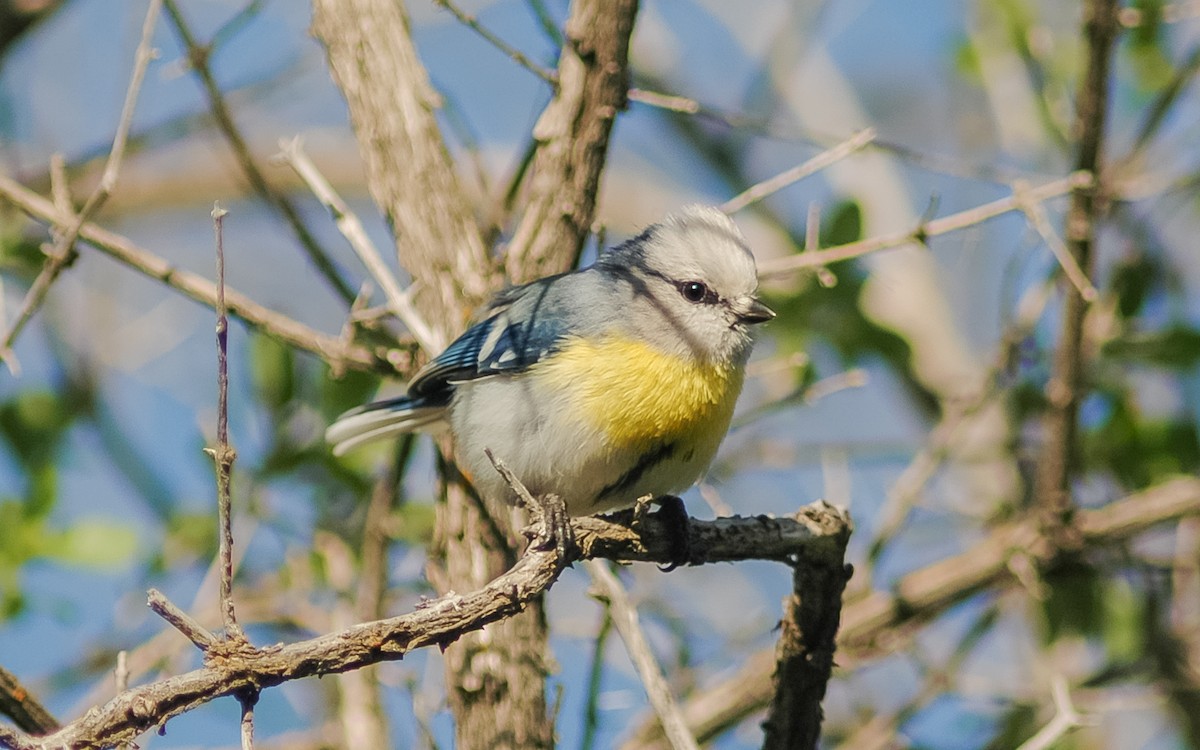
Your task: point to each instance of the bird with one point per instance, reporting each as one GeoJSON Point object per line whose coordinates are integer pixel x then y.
{"type": "Point", "coordinates": [600, 385]}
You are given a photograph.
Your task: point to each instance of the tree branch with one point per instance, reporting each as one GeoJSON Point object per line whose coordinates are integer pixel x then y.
{"type": "Point", "coordinates": [926, 593]}
{"type": "Point", "coordinates": [17, 703]}
{"type": "Point", "coordinates": [338, 353]}
{"type": "Point", "coordinates": [232, 671]}
{"type": "Point", "coordinates": [1064, 390]}
{"type": "Point", "coordinates": [804, 654]}
{"type": "Point", "coordinates": [572, 135]}
{"type": "Point", "coordinates": [409, 173]}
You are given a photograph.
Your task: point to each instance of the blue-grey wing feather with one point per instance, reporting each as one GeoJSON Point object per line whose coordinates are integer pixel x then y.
{"type": "Point", "coordinates": [523, 326]}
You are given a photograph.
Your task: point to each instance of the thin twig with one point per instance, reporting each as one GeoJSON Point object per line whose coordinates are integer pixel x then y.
{"type": "Point", "coordinates": [64, 247]}
{"type": "Point", "coordinates": [223, 454]}
{"type": "Point", "coordinates": [198, 57]}
{"type": "Point", "coordinates": [121, 673]}
{"type": "Point", "coordinates": [468, 20]}
{"type": "Point", "coordinates": [755, 193]}
{"type": "Point", "coordinates": [248, 699]}
{"type": "Point", "coordinates": [121, 681]}
{"type": "Point", "coordinates": [227, 671]}
{"type": "Point", "coordinates": [180, 620]}
{"type": "Point", "coordinates": [625, 618]}
{"type": "Point", "coordinates": [1036, 213]}
{"type": "Point", "coordinates": [671, 102]}
{"type": "Point", "coordinates": [1066, 719]}
{"type": "Point", "coordinates": [1066, 386]}
{"type": "Point", "coordinates": [339, 354]}
{"type": "Point", "coordinates": [925, 229]}
{"type": "Point", "coordinates": [924, 594]}
{"type": "Point", "coordinates": [399, 300]}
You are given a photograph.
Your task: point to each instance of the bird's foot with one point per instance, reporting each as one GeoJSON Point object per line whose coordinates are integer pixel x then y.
{"type": "Point", "coordinates": [675, 523]}
{"type": "Point", "coordinates": [552, 526]}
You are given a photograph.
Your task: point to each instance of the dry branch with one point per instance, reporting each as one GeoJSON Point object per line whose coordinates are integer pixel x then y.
{"type": "Point", "coordinates": [339, 354]}
{"type": "Point", "coordinates": [231, 670]}
{"type": "Point", "coordinates": [572, 135]}
{"type": "Point", "coordinates": [925, 229]}
{"type": "Point", "coordinates": [1064, 391]}
{"type": "Point", "coordinates": [198, 56]}
{"type": "Point", "coordinates": [926, 593]}
{"type": "Point", "coordinates": [804, 654]}
{"type": "Point", "coordinates": [409, 173]}
{"type": "Point", "coordinates": [68, 232]}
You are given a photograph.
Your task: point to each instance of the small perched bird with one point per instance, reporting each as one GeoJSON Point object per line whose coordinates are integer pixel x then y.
{"type": "Point", "coordinates": [601, 385]}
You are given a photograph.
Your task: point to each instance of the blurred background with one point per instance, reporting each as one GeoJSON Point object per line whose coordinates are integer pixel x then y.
{"type": "Point", "coordinates": [906, 384]}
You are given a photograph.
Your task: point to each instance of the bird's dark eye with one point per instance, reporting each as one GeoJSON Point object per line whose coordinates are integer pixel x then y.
{"type": "Point", "coordinates": [695, 291]}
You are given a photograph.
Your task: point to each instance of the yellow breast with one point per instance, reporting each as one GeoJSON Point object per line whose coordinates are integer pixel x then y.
{"type": "Point", "coordinates": [638, 396]}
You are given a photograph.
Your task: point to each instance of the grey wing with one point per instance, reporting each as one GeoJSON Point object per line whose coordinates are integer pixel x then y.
{"type": "Point", "coordinates": [525, 324]}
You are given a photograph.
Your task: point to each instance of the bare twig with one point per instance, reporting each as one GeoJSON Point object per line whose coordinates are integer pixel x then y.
{"type": "Point", "coordinates": [572, 135]}
{"type": "Point", "coordinates": [1066, 387]}
{"type": "Point", "coordinates": [248, 699]}
{"type": "Point", "coordinates": [1036, 214]}
{"type": "Point", "coordinates": [64, 247]}
{"type": "Point", "coordinates": [926, 229]}
{"type": "Point", "coordinates": [624, 616]}
{"type": "Point", "coordinates": [336, 352]}
{"type": "Point", "coordinates": [520, 58]}
{"type": "Point", "coordinates": [925, 593]}
{"type": "Point", "coordinates": [121, 672]}
{"type": "Point", "coordinates": [825, 159]}
{"type": "Point", "coordinates": [438, 622]}
{"type": "Point", "coordinates": [198, 57]}
{"type": "Point", "coordinates": [1066, 719]}
{"type": "Point", "coordinates": [223, 454]}
{"type": "Point", "coordinates": [399, 301]}
{"type": "Point", "coordinates": [681, 104]}
{"type": "Point", "coordinates": [180, 620]}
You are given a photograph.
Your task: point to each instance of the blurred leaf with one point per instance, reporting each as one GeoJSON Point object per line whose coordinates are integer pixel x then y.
{"type": "Point", "coordinates": [94, 543]}
{"type": "Point", "coordinates": [1148, 58]}
{"type": "Point", "coordinates": [1140, 451]}
{"type": "Point", "coordinates": [1124, 629]}
{"type": "Point", "coordinates": [1073, 605]}
{"type": "Point", "coordinates": [33, 423]}
{"type": "Point", "coordinates": [413, 523]}
{"type": "Point", "coordinates": [21, 256]}
{"type": "Point", "coordinates": [1175, 346]}
{"type": "Point", "coordinates": [966, 61]}
{"type": "Point", "coordinates": [272, 366]}
{"type": "Point", "coordinates": [352, 389]}
{"type": "Point", "coordinates": [20, 535]}
{"type": "Point", "coordinates": [841, 225]}
{"type": "Point", "coordinates": [187, 537]}
{"type": "Point", "coordinates": [1133, 280]}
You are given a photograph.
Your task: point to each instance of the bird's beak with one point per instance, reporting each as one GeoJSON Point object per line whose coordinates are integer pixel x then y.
{"type": "Point", "coordinates": [750, 310]}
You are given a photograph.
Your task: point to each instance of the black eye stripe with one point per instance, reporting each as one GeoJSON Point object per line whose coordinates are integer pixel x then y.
{"type": "Point", "coordinates": [709, 297]}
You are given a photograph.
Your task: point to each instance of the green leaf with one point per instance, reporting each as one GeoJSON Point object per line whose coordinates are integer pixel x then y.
{"type": "Point", "coordinates": [1176, 346]}
{"type": "Point", "coordinates": [273, 367]}
{"type": "Point", "coordinates": [1123, 622]}
{"type": "Point", "coordinates": [93, 543]}
{"type": "Point", "coordinates": [1074, 601]}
